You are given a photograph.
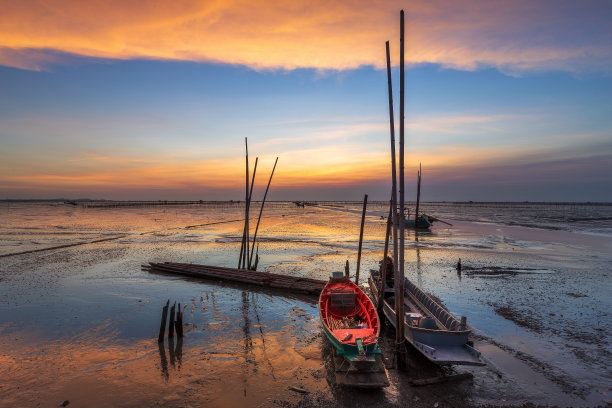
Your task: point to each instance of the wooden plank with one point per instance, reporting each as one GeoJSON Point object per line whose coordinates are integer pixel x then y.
{"type": "Point", "coordinates": [289, 283]}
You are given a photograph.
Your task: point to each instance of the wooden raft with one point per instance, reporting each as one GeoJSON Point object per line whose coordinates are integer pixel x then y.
{"type": "Point", "coordinates": [272, 280]}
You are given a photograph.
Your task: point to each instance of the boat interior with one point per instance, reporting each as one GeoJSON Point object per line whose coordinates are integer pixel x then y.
{"type": "Point", "coordinates": [349, 315]}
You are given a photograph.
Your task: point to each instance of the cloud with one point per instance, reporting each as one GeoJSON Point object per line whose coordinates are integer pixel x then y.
{"type": "Point", "coordinates": [513, 36]}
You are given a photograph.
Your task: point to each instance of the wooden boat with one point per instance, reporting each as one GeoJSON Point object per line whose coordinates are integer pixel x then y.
{"type": "Point", "coordinates": [350, 321]}
{"type": "Point", "coordinates": [423, 222]}
{"type": "Point", "coordinates": [430, 328]}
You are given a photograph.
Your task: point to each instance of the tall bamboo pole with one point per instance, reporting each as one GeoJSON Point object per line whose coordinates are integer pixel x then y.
{"type": "Point", "coordinates": [363, 213]}
{"type": "Point", "coordinates": [246, 207]}
{"type": "Point", "coordinates": [416, 214]}
{"type": "Point", "coordinates": [248, 265]}
{"type": "Point", "coordinates": [393, 173]}
{"type": "Point", "coordinates": [383, 272]}
{"type": "Point", "coordinates": [399, 284]}
{"type": "Point", "coordinates": [244, 249]}
{"type": "Point", "coordinates": [260, 211]}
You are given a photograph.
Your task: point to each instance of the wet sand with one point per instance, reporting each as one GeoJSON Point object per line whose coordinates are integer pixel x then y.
{"type": "Point", "coordinates": [80, 323]}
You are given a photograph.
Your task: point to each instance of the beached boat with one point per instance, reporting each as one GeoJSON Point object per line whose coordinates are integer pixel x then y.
{"type": "Point", "coordinates": [430, 328]}
{"type": "Point", "coordinates": [423, 222]}
{"type": "Point", "coordinates": [350, 321]}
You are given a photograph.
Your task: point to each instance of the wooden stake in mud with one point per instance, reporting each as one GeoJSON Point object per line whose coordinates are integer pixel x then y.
{"type": "Point", "coordinates": [162, 328]}
{"type": "Point", "coordinates": [416, 214]}
{"type": "Point", "coordinates": [383, 272]}
{"type": "Point", "coordinates": [346, 269]}
{"type": "Point", "coordinates": [399, 283]}
{"type": "Point", "coordinates": [179, 322]}
{"type": "Point", "coordinates": [171, 325]}
{"type": "Point", "coordinates": [259, 217]}
{"type": "Point", "coordinates": [246, 207]}
{"type": "Point", "coordinates": [363, 213]}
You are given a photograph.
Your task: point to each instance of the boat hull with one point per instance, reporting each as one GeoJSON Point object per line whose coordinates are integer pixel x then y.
{"type": "Point", "coordinates": [421, 223]}
{"type": "Point", "coordinates": [444, 345]}
{"type": "Point", "coordinates": [359, 345]}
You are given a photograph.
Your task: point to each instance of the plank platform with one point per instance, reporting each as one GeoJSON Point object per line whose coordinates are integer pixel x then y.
{"type": "Point", "coordinates": [290, 283]}
{"type": "Point", "coordinates": [348, 375]}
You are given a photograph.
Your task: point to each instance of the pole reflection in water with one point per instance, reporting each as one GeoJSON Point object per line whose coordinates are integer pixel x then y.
{"type": "Point", "coordinates": [248, 340]}
{"type": "Point", "coordinates": [176, 356]}
{"type": "Point", "coordinates": [171, 351]}
{"type": "Point", "coordinates": [163, 361]}
{"type": "Point", "coordinates": [418, 259]}
{"type": "Point", "coordinates": [263, 339]}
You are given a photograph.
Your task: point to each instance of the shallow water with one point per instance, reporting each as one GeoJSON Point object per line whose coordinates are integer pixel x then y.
{"type": "Point", "coordinates": [80, 323]}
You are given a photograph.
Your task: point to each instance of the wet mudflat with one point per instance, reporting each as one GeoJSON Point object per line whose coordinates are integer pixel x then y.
{"type": "Point", "coordinates": [80, 323]}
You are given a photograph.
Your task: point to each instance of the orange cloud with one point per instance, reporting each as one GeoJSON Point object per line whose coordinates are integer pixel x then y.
{"type": "Point", "coordinates": [317, 34]}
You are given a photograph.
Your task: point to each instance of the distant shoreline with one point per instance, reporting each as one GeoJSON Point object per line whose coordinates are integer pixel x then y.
{"type": "Point", "coordinates": [188, 202]}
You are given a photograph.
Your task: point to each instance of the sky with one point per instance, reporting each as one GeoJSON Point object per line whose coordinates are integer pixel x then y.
{"type": "Point", "coordinates": [152, 100]}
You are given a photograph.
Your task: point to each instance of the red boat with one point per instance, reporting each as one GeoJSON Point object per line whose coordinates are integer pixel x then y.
{"type": "Point", "coordinates": [349, 320]}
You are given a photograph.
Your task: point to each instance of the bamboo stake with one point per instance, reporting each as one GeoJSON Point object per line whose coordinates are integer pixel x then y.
{"type": "Point", "coordinates": [244, 265]}
{"type": "Point", "coordinates": [383, 273]}
{"type": "Point", "coordinates": [393, 169]}
{"type": "Point", "coordinates": [171, 325]}
{"type": "Point", "coordinates": [399, 284]}
{"type": "Point", "coordinates": [179, 321]}
{"type": "Point", "coordinates": [260, 211]}
{"type": "Point", "coordinates": [162, 328]}
{"type": "Point", "coordinates": [246, 206]}
{"type": "Point", "coordinates": [241, 247]}
{"type": "Point", "coordinates": [363, 213]}
{"type": "Point", "coordinates": [393, 194]}
{"type": "Point", "coordinates": [416, 214]}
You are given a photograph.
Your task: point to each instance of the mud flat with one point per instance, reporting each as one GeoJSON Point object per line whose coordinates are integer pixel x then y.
{"type": "Point", "coordinates": [80, 323]}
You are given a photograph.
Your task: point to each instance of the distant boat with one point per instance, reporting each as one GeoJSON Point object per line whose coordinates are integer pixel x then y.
{"type": "Point", "coordinates": [430, 328]}
{"type": "Point", "coordinates": [350, 322]}
{"type": "Point", "coordinates": [423, 222]}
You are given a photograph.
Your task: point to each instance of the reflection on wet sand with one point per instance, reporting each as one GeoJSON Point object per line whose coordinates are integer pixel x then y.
{"type": "Point", "coordinates": [77, 324]}
{"type": "Point", "coordinates": [176, 355]}
{"type": "Point", "coordinates": [204, 368]}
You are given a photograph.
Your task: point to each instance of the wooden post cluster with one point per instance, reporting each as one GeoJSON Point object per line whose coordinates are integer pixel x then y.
{"type": "Point", "coordinates": [247, 249]}
{"type": "Point", "coordinates": [175, 322]}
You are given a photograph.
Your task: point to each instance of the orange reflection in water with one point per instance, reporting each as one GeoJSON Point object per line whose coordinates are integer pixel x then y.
{"type": "Point", "coordinates": [99, 370]}
{"type": "Point", "coordinates": [239, 356]}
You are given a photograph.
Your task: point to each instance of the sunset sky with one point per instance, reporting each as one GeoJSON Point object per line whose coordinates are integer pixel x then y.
{"type": "Point", "coordinates": [505, 100]}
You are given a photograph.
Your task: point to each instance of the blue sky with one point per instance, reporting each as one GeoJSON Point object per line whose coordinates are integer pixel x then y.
{"type": "Point", "coordinates": [75, 123]}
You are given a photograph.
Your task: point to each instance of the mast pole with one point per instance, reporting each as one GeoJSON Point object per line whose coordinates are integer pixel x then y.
{"type": "Point", "coordinates": [394, 218]}
{"type": "Point", "coordinates": [399, 284]}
